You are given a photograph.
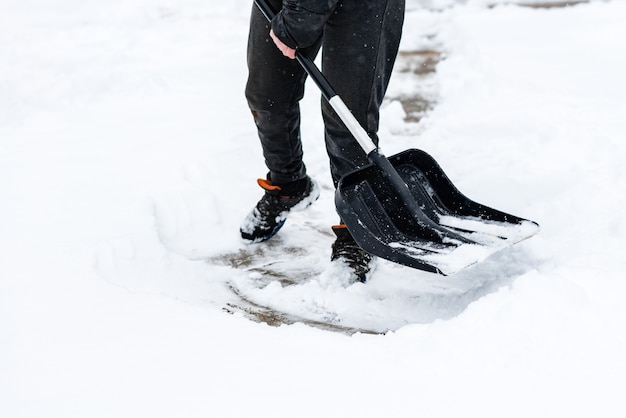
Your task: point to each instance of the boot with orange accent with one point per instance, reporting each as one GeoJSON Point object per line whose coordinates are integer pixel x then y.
{"type": "Point", "coordinates": [270, 213]}
{"type": "Point", "coordinates": [347, 251]}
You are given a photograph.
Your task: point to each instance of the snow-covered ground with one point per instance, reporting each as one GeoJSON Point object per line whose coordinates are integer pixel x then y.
{"type": "Point", "coordinates": [128, 158]}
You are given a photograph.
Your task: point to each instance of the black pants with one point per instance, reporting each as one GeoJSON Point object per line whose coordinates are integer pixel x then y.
{"type": "Point", "coordinates": [359, 47]}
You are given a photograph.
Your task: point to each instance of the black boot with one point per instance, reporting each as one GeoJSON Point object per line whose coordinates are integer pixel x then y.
{"type": "Point", "coordinates": [270, 213]}
{"type": "Point", "coordinates": [346, 250]}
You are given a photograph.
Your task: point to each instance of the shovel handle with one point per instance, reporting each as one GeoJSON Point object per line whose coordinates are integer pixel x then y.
{"type": "Point", "coordinates": [327, 90]}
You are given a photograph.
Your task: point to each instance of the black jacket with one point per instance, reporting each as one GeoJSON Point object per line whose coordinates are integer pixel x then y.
{"type": "Point", "coordinates": [301, 22]}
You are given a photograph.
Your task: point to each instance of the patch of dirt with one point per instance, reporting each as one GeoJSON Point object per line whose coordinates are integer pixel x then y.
{"type": "Point", "coordinates": [272, 317]}
{"type": "Point", "coordinates": [552, 5]}
{"type": "Point", "coordinates": [421, 66]}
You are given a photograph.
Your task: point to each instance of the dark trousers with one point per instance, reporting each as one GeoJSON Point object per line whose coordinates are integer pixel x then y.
{"type": "Point", "coordinates": [359, 47]}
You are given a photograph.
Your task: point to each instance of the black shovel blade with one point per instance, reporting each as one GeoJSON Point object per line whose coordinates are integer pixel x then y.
{"type": "Point", "coordinates": [444, 233]}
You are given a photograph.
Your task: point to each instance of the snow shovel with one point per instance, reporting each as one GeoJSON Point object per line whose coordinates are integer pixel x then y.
{"type": "Point", "coordinates": [405, 209]}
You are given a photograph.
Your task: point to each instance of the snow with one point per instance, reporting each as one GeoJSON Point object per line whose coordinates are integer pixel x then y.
{"type": "Point", "coordinates": [128, 159]}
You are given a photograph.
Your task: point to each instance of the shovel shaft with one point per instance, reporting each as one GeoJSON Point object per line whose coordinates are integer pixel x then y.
{"type": "Point", "coordinates": [353, 125]}
{"type": "Point", "coordinates": [327, 90]}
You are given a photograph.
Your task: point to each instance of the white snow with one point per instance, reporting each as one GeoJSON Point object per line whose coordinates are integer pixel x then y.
{"type": "Point", "coordinates": [128, 158]}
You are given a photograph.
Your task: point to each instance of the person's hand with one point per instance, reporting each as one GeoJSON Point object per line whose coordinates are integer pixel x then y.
{"type": "Point", "coordinates": [287, 51]}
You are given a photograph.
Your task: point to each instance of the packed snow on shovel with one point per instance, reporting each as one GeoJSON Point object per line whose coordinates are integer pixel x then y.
{"type": "Point", "coordinates": [488, 238]}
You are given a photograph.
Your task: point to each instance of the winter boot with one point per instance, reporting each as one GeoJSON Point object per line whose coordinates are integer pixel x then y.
{"type": "Point", "coordinates": [346, 250]}
{"type": "Point", "coordinates": [270, 213]}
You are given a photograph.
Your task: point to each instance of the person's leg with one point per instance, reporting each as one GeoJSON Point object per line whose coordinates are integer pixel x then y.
{"type": "Point", "coordinates": [360, 45]}
{"type": "Point", "coordinates": [274, 88]}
